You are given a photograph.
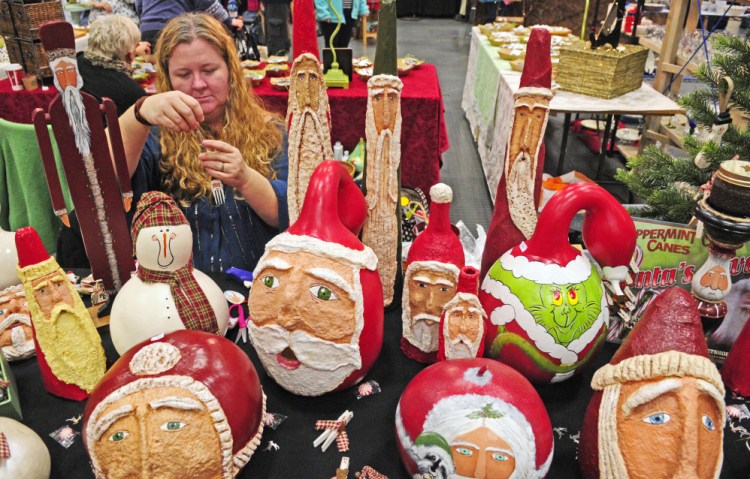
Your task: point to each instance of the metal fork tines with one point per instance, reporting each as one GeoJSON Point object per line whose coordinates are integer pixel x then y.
{"type": "Point", "coordinates": [217, 189]}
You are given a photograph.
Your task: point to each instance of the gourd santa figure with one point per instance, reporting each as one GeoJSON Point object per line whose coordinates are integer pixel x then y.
{"type": "Point", "coordinates": [736, 368]}
{"type": "Point", "coordinates": [316, 305]}
{"type": "Point", "coordinates": [658, 407]}
{"type": "Point", "coordinates": [432, 268]}
{"type": "Point", "coordinates": [23, 454]}
{"type": "Point", "coordinates": [462, 322]}
{"type": "Point", "coordinates": [185, 404]}
{"type": "Point", "coordinates": [546, 304]}
{"type": "Point", "coordinates": [167, 293]}
{"type": "Point", "coordinates": [473, 418]}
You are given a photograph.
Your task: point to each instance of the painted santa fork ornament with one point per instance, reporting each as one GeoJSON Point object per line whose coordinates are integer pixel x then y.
{"type": "Point", "coordinates": [546, 305]}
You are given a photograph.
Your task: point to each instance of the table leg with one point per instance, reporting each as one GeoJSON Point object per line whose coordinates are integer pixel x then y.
{"type": "Point", "coordinates": [613, 136]}
{"type": "Point", "coordinates": [564, 144]}
{"type": "Point", "coordinates": [603, 147]}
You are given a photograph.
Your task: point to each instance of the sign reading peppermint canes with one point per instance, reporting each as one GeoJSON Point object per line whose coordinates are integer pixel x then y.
{"type": "Point", "coordinates": [546, 304]}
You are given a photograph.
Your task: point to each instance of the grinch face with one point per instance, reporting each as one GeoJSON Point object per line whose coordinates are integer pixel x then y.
{"type": "Point", "coordinates": [564, 311]}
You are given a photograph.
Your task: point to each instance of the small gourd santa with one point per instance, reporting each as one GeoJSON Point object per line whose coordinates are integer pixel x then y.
{"type": "Point", "coordinates": [23, 454]}
{"type": "Point", "coordinates": [167, 293]}
{"type": "Point", "coordinates": [462, 322]}
{"type": "Point", "coordinates": [433, 264]}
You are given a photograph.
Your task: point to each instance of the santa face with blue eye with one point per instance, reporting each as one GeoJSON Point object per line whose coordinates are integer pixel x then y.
{"type": "Point", "coordinates": [305, 320]}
{"type": "Point", "coordinates": [670, 428]}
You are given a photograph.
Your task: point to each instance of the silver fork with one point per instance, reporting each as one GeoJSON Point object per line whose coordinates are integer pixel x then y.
{"type": "Point", "coordinates": [217, 187]}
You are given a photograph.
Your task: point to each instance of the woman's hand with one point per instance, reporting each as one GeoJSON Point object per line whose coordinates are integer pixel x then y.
{"type": "Point", "coordinates": [224, 162]}
{"type": "Point", "coordinates": [174, 110]}
{"type": "Point", "coordinates": [143, 49]}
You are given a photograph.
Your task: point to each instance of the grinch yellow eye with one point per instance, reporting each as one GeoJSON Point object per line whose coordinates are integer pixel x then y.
{"type": "Point", "coordinates": [556, 297]}
{"type": "Point", "coordinates": [573, 297]}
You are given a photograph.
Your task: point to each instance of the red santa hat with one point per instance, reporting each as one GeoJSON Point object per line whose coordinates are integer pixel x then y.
{"type": "Point", "coordinates": [30, 248]}
{"type": "Point", "coordinates": [58, 40]}
{"type": "Point", "coordinates": [536, 78]}
{"type": "Point", "coordinates": [438, 242]}
{"type": "Point", "coordinates": [608, 233]}
{"type": "Point", "coordinates": [304, 34]}
{"type": "Point", "coordinates": [331, 218]}
{"type": "Point", "coordinates": [468, 287]}
{"type": "Point", "coordinates": [231, 393]}
{"type": "Point", "coordinates": [668, 341]}
{"type": "Point", "coordinates": [457, 396]}
{"type": "Point", "coordinates": [736, 368]}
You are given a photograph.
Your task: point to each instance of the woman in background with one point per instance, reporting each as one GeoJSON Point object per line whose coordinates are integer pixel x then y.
{"type": "Point", "coordinates": [349, 10]}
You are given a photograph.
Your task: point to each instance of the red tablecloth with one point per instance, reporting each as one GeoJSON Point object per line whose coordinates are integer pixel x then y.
{"type": "Point", "coordinates": [423, 133]}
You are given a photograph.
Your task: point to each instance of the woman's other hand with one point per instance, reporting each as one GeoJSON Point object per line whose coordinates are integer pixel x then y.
{"type": "Point", "coordinates": [174, 110]}
{"type": "Point", "coordinates": [224, 162]}
{"type": "Point", "coordinates": [143, 49]}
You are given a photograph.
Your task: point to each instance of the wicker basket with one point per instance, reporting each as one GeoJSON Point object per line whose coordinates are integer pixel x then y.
{"type": "Point", "coordinates": [602, 73]}
{"type": "Point", "coordinates": [6, 22]}
{"type": "Point", "coordinates": [28, 16]}
{"type": "Point", "coordinates": [35, 59]}
{"type": "Point", "coordinates": [14, 52]}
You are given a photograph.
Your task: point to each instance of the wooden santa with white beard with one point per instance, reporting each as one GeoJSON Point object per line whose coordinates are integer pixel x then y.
{"type": "Point", "coordinates": [167, 293]}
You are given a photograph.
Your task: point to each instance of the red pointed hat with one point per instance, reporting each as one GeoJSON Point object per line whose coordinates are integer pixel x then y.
{"type": "Point", "coordinates": [441, 401]}
{"type": "Point", "coordinates": [57, 35]}
{"type": "Point", "coordinates": [468, 280]}
{"type": "Point", "coordinates": [536, 77]}
{"type": "Point", "coordinates": [736, 368]}
{"type": "Point", "coordinates": [438, 242]}
{"type": "Point", "coordinates": [304, 34]}
{"type": "Point", "coordinates": [232, 392]}
{"type": "Point", "coordinates": [30, 247]}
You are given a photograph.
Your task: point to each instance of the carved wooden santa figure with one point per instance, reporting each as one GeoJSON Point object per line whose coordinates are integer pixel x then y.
{"type": "Point", "coordinates": [382, 231]}
{"type": "Point", "coordinates": [101, 195]}
{"type": "Point", "coordinates": [23, 454]}
{"type": "Point", "coordinates": [736, 368]}
{"type": "Point", "coordinates": [188, 404]}
{"type": "Point", "coordinates": [316, 305]}
{"type": "Point", "coordinates": [546, 304]}
{"type": "Point", "coordinates": [514, 217]}
{"type": "Point", "coordinates": [68, 347]}
{"type": "Point", "coordinates": [167, 293]}
{"type": "Point", "coordinates": [308, 115]}
{"type": "Point", "coordinates": [473, 418]}
{"type": "Point", "coordinates": [462, 321]}
{"type": "Point", "coordinates": [432, 267]}
{"type": "Point", "coordinates": [658, 407]}
{"type": "Point", "coordinates": [16, 332]}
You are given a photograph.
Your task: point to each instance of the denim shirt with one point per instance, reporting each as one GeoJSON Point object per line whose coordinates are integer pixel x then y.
{"type": "Point", "coordinates": [230, 235]}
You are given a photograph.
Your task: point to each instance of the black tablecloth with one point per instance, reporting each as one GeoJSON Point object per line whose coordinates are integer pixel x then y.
{"type": "Point", "coordinates": [371, 431]}
{"type": "Point", "coordinates": [427, 8]}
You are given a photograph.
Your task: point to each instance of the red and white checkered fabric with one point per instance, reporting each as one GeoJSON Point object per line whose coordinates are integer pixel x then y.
{"type": "Point", "coordinates": [4, 448]}
{"type": "Point", "coordinates": [370, 473]}
{"type": "Point", "coordinates": [342, 440]}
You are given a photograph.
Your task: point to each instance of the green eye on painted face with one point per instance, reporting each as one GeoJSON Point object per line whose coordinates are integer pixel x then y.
{"type": "Point", "coordinates": [708, 423]}
{"type": "Point", "coordinates": [118, 436]}
{"type": "Point", "coordinates": [499, 457]}
{"type": "Point", "coordinates": [271, 281]}
{"type": "Point", "coordinates": [465, 451]}
{"type": "Point", "coordinates": [323, 293]}
{"type": "Point", "coordinates": [658, 419]}
{"type": "Point", "coordinates": [173, 425]}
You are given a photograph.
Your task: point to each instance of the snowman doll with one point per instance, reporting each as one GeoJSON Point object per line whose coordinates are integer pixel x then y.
{"type": "Point", "coordinates": [167, 293]}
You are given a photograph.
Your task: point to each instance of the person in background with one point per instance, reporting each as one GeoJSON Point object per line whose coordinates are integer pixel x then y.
{"type": "Point", "coordinates": [249, 9]}
{"type": "Point", "coordinates": [105, 65]}
{"type": "Point", "coordinates": [277, 31]}
{"type": "Point", "coordinates": [212, 133]}
{"type": "Point", "coordinates": [154, 14]}
{"type": "Point", "coordinates": [125, 8]}
{"type": "Point", "coordinates": [349, 10]}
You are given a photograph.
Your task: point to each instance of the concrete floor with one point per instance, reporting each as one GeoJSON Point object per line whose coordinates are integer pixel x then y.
{"type": "Point", "coordinates": [445, 43]}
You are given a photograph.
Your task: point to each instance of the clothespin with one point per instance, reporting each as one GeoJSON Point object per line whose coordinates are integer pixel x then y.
{"type": "Point", "coordinates": [334, 430]}
{"type": "Point", "coordinates": [343, 471]}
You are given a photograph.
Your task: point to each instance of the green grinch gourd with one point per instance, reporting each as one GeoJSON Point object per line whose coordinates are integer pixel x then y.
{"type": "Point", "coordinates": [545, 301]}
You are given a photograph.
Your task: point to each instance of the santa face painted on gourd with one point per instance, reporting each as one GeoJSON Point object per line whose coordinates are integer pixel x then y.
{"type": "Point", "coordinates": [473, 418]}
{"type": "Point", "coordinates": [546, 304]}
{"type": "Point", "coordinates": [68, 347]}
{"type": "Point", "coordinates": [316, 305]}
{"type": "Point", "coordinates": [462, 322]}
{"type": "Point", "coordinates": [23, 454]}
{"type": "Point", "coordinates": [658, 406]}
{"type": "Point", "coordinates": [431, 279]}
{"type": "Point", "coordinates": [167, 293]}
{"type": "Point", "coordinates": [165, 410]}
{"type": "Point", "coordinates": [16, 333]}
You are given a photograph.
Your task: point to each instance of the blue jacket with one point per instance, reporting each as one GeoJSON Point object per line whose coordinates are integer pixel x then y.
{"type": "Point", "coordinates": [323, 12]}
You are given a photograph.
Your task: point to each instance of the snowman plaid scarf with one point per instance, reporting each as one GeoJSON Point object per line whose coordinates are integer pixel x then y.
{"type": "Point", "coordinates": [157, 209]}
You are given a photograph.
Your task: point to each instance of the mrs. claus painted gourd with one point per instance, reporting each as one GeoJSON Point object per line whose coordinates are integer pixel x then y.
{"type": "Point", "coordinates": [316, 305]}
{"type": "Point", "coordinates": [546, 304]}
{"type": "Point", "coordinates": [473, 418]}
{"type": "Point", "coordinates": [167, 293]}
